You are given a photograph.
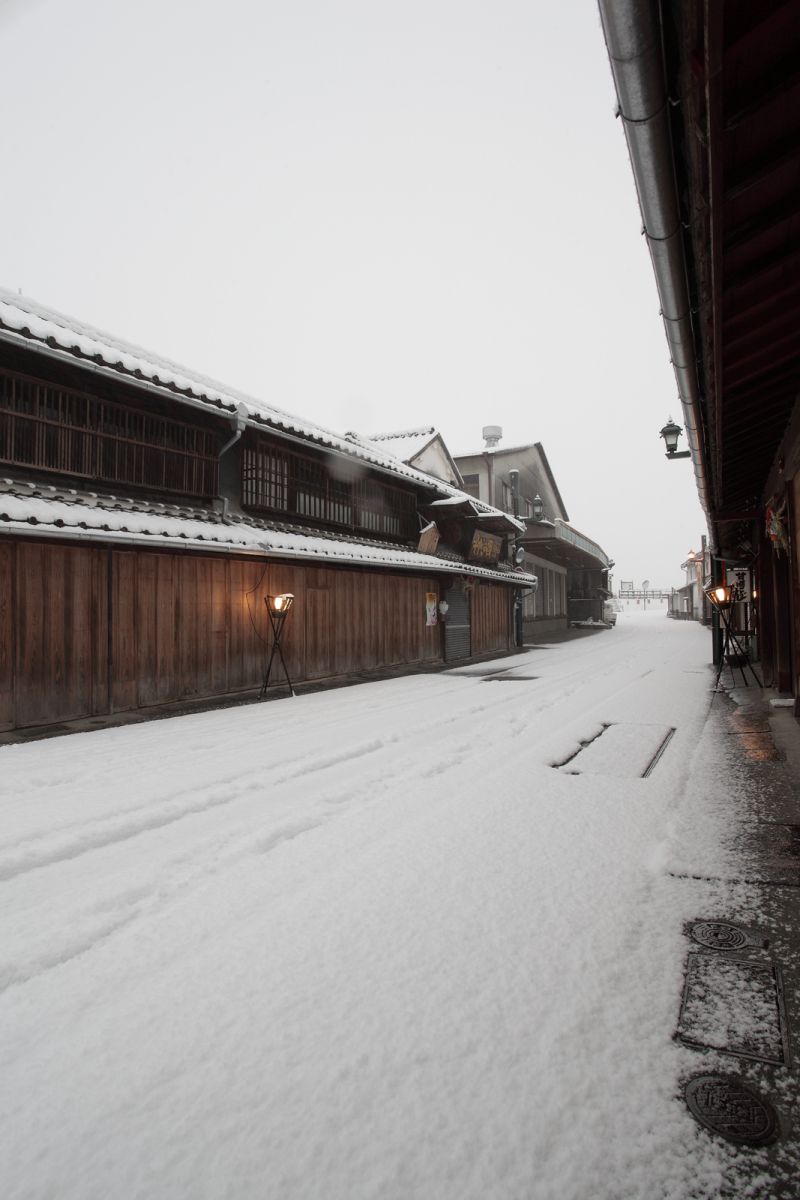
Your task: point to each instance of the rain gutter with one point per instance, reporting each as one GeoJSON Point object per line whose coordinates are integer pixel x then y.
{"type": "Point", "coordinates": [633, 37]}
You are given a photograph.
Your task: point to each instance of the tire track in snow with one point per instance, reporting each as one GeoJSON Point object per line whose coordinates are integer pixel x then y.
{"type": "Point", "coordinates": [226, 849]}
{"type": "Point", "coordinates": [134, 904]}
{"type": "Point", "coordinates": [44, 849]}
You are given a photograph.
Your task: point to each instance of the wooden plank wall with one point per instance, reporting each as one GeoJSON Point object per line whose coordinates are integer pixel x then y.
{"type": "Point", "coordinates": [7, 557]}
{"type": "Point", "coordinates": [491, 618]}
{"type": "Point", "coordinates": [87, 631]}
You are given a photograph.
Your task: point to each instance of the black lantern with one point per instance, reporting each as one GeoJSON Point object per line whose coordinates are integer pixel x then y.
{"type": "Point", "coordinates": [278, 610]}
{"type": "Point", "coordinates": [670, 433]}
{"type": "Point", "coordinates": [720, 595]}
{"type": "Point", "coordinates": [538, 508]}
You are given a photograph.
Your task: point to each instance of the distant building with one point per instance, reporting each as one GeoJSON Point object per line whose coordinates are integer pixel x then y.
{"type": "Point", "coordinates": [689, 602]}
{"type": "Point", "coordinates": [571, 568]}
{"type": "Point", "coordinates": [421, 448]}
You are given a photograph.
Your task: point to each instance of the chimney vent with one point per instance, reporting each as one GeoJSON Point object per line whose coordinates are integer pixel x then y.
{"type": "Point", "coordinates": [491, 435]}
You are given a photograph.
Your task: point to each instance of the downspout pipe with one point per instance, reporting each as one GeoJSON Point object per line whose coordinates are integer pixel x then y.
{"type": "Point", "coordinates": [633, 37]}
{"type": "Point", "coordinates": [240, 418]}
{"type": "Point", "coordinates": [239, 426]}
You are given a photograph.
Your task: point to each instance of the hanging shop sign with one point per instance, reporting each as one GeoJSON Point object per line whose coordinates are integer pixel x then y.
{"type": "Point", "coordinates": [428, 539]}
{"type": "Point", "coordinates": [430, 608]}
{"type": "Point", "coordinates": [484, 547]}
{"type": "Point", "coordinates": [776, 525]}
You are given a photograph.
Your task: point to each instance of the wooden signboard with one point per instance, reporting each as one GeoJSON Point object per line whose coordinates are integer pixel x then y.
{"type": "Point", "coordinates": [484, 547]}
{"type": "Point", "coordinates": [428, 539]}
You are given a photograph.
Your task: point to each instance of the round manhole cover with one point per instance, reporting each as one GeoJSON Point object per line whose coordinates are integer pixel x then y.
{"type": "Point", "coordinates": [730, 1108]}
{"type": "Point", "coordinates": [719, 935]}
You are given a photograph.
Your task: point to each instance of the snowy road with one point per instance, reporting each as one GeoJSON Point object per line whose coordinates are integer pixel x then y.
{"type": "Point", "coordinates": [366, 943]}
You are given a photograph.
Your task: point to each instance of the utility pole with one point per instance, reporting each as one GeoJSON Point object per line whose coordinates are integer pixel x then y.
{"type": "Point", "coordinates": [513, 476]}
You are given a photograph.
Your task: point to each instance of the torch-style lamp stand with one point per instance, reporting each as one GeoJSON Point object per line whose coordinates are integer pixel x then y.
{"type": "Point", "coordinates": [278, 610]}
{"type": "Point", "coordinates": [720, 597]}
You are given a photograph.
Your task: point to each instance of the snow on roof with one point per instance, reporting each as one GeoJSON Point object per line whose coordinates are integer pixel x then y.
{"type": "Point", "coordinates": [406, 443]}
{"type": "Point", "coordinates": [569, 533]}
{"type": "Point", "coordinates": [28, 509]}
{"type": "Point", "coordinates": [25, 320]}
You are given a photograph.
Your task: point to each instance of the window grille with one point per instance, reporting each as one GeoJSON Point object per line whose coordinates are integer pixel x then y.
{"type": "Point", "coordinates": [53, 428]}
{"type": "Point", "coordinates": [472, 485]}
{"type": "Point", "coordinates": [301, 487]}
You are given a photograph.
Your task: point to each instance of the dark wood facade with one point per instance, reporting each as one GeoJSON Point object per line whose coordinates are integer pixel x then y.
{"type": "Point", "coordinates": [90, 631]}
{"type": "Point", "coordinates": [710, 102]}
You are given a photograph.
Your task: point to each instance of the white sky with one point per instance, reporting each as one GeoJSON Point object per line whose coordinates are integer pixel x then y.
{"type": "Point", "coordinates": [376, 215]}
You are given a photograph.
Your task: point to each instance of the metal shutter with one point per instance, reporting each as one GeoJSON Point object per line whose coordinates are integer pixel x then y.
{"type": "Point", "coordinates": [456, 629]}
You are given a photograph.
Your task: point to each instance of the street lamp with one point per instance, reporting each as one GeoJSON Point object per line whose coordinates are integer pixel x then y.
{"type": "Point", "coordinates": [670, 433]}
{"type": "Point", "coordinates": [538, 508]}
{"type": "Point", "coordinates": [278, 610]}
{"type": "Point", "coordinates": [720, 595]}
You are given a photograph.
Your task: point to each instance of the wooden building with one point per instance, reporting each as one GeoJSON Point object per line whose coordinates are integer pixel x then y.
{"type": "Point", "coordinates": [710, 104]}
{"type": "Point", "coordinates": [147, 512]}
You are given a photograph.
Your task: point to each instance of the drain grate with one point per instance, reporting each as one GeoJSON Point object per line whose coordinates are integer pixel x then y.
{"type": "Point", "coordinates": [722, 935]}
{"type": "Point", "coordinates": [731, 1108]}
{"type": "Point", "coordinates": [735, 1006]}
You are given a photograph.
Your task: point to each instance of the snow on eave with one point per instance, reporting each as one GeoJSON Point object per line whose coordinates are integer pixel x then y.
{"type": "Point", "coordinates": [27, 323]}
{"type": "Point", "coordinates": [43, 518]}
{"type": "Point", "coordinates": [588, 545]}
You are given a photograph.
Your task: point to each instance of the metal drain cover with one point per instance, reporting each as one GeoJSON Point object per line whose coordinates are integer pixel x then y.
{"type": "Point", "coordinates": [722, 935]}
{"type": "Point", "coordinates": [736, 1006]}
{"type": "Point", "coordinates": [729, 1107]}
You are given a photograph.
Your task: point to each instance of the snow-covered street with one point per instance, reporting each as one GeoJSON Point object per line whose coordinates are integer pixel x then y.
{"type": "Point", "coordinates": [364, 943]}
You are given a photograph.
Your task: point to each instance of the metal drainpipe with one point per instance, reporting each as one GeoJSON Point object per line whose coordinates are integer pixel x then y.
{"type": "Point", "coordinates": [240, 424]}
{"type": "Point", "coordinates": [632, 31]}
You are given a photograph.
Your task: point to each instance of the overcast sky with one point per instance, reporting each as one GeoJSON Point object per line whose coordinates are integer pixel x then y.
{"type": "Point", "coordinates": [375, 214]}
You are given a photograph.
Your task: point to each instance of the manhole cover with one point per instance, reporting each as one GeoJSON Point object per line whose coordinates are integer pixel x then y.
{"type": "Point", "coordinates": [719, 935]}
{"type": "Point", "coordinates": [730, 1108]}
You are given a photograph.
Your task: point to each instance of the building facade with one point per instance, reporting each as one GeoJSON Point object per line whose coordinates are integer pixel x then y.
{"type": "Point", "coordinates": [572, 570]}
{"type": "Point", "coordinates": [146, 514]}
{"type": "Point", "coordinates": [710, 107]}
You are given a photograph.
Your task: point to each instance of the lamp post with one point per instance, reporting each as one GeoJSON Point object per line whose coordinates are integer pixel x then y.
{"type": "Point", "coordinates": [670, 433]}
{"type": "Point", "coordinates": [645, 586]}
{"type": "Point", "coordinates": [513, 476]}
{"type": "Point", "coordinates": [278, 610]}
{"type": "Point", "coordinates": [722, 598]}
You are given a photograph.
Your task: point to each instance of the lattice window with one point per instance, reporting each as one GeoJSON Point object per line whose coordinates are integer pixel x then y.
{"type": "Point", "coordinates": [53, 428]}
{"type": "Point", "coordinates": [301, 486]}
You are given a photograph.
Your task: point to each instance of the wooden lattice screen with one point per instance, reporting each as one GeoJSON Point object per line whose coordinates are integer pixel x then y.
{"type": "Point", "coordinates": [299, 486]}
{"type": "Point", "coordinates": [53, 428]}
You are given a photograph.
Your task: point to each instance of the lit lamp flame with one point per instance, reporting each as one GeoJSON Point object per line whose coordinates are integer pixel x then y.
{"type": "Point", "coordinates": [280, 605]}
{"type": "Point", "coordinates": [720, 596]}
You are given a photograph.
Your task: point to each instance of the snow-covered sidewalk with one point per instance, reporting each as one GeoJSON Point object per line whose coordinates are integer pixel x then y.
{"type": "Point", "coordinates": [366, 943]}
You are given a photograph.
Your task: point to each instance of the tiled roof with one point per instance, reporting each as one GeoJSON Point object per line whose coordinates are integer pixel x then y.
{"type": "Point", "coordinates": [29, 509]}
{"type": "Point", "coordinates": [405, 444]}
{"type": "Point", "coordinates": [25, 321]}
